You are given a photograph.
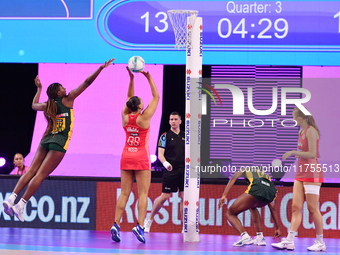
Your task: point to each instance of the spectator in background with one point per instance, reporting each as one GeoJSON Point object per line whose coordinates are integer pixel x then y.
{"type": "Point", "coordinates": [18, 162]}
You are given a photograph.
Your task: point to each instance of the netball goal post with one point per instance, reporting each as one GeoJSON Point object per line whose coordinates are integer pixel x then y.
{"type": "Point", "coordinates": [188, 34]}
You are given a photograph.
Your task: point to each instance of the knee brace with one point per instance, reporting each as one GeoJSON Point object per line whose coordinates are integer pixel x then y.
{"type": "Point", "coordinates": [312, 189]}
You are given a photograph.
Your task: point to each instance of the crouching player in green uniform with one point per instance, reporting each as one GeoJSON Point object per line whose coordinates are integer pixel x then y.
{"type": "Point", "coordinates": [260, 192]}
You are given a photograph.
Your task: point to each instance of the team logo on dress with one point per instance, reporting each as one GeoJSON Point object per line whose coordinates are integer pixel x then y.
{"type": "Point", "coordinates": [132, 129]}
{"type": "Point", "coordinates": [62, 115]}
{"type": "Point", "coordinates": [265, 183]}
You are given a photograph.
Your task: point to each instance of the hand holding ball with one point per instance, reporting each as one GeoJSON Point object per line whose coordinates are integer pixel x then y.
{"type": "Point", "coordinates": [136, 64]}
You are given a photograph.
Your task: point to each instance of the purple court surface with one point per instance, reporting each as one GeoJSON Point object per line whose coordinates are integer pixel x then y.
{"type": "Point", "coordinates": [25, 241]}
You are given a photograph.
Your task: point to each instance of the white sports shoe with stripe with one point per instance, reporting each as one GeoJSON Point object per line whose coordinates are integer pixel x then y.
{"type": "Point", "coordinates": [285, 244]}
{"type": "Point", "coordinates": [259, 240]}
{"type": "Point", "coordinates": [244, 240]}
{"type": "Point", "coordinates": [317, 246]}
{"type": "Point", "coordinates": [19, 212]}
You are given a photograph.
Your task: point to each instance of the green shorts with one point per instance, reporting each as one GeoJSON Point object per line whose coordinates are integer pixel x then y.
{"type": "Point", "coordinates": [53, 147]}
{"type": "Point", "coordinates": [263, 190]}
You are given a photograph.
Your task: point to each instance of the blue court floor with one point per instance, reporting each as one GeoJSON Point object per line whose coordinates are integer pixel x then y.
{"type": "Point", "coordinates": [26, 241]}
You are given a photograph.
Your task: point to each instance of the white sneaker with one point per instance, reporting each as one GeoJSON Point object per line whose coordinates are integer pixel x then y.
{"type": "Point", "coordinates": [147, 225]}
{"type": "Point", "coordinates": [244, 240]}
{"type": "Point", "coordinates": [285, 244]}
{"type": "Point", "coordinates": [18, 212]}
{"type": "Point", "coordinates": [259, 240]}
{"type": "Point", "coordinates": [317, 246]}
{"type": "Point", "coordinates": [8, 207]}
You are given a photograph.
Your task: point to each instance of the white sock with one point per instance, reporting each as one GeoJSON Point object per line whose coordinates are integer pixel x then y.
{"type": "Point", "coordinates": [291, 235]}
{"type": "Point", "coordinates": [259, 234]}
{"type": "Point", "coordinates": [22, 203]}
{"type": "Point", "coordinates": [245, 234]}
{"type": "Point", "coordinates": [319, 238]}
{"type": "Point", "coordinates": [12, 198]}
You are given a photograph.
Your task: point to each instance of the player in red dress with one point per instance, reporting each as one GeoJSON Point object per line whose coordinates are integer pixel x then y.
{"type": "Point", "coordinates": [136, 154]}
{"type": "Point", "coordinates": [135, 160]}
{"type": "Point", "coordinates": [307, 181]}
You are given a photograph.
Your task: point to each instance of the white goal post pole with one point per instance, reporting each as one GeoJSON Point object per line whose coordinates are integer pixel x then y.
{"type": "Point", "coordinates": [192, 131]}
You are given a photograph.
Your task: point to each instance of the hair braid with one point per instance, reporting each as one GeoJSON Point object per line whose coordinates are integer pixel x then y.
{"type": "Point", "coordinates": [50, 111]}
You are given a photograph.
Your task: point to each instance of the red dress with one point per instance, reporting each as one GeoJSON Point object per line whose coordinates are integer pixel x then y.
{"type": "Point", "coordinates": [309, 170]}
{"type": "Point", "coordinates": [136, 155]}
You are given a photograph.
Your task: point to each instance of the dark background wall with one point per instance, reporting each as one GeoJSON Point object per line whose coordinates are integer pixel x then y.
{"type": "Point", "coordinates": [174, 92]}
{"type": "Point", "coordinates": [16, 115]}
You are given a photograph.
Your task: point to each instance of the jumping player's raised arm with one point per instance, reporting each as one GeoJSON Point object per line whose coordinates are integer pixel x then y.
{"type": "Point", "coordinates": [88, 81]}
{"type": "Point", "coordinates": [35, 104]}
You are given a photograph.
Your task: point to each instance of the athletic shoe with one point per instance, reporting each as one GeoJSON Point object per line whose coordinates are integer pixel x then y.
{"type": "Point", "coordinates": [259, 240]}
{"type": "Point", "coordinates": [147, 225]}
{"type": "Point", "coordinates": [115, 233]}
{"type": "Point", "coordinates": [139, 233]}
{"type": "Point", "coordinates": [18, 212]}
{"type": "Point", "coordinates": [317, 246]}
{"type": "Point", "coordinates": [285, 244]}
{"type": "Point", "coordinates": [244, 240]}
{"type": "Point", "coordinates": [8, 207]}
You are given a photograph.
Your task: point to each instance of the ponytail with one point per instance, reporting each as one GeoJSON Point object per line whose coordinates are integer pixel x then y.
{"type": "Point", "coordinates": [50, 111]}
{"type": "Point", "coordinates": [309, 118]}
{"type": "Point", "coordinates": [311, 121]}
